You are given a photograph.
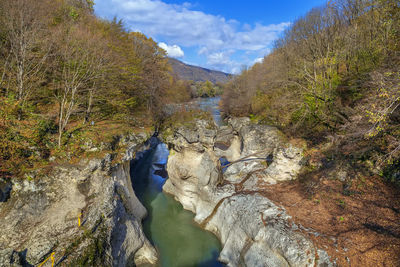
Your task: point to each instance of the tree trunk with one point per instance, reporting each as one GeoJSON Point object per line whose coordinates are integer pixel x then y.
{"type": "Point", "coordinates": [20, 81]}
{"type": "Point", "coordinates": [60, 122]}
{"type": "Point", "coordinates": [89, 108]}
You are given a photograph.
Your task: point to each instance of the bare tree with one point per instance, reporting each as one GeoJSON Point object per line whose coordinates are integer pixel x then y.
{"type": "Point", "coordinates": [386, 100]}
{"type": "Point", "coordinates": [25, 36]}
{"type": "Point", "coordinates": [81, 59]}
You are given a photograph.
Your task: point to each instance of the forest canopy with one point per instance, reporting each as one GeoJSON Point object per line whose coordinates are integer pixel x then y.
{"type": "Point", "coordinates": [62, 68]}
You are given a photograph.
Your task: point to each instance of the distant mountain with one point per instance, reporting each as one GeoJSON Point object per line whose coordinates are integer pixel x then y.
{"type": "Point", "coordinates": [195, 73]}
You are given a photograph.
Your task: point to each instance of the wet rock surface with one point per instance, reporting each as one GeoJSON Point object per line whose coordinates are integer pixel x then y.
{"type": "Point", "coordinates": [41, 215]}
{"type": "Point", "coordinates": [226, 199]}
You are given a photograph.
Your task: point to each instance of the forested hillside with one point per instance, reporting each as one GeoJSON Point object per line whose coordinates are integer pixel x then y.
{"type": "Point", "coordinates": [197, 74]}
{"type": "Point", "coordinates": [66, 74]}
{"type": "Point", "coordinates": [333, 78]}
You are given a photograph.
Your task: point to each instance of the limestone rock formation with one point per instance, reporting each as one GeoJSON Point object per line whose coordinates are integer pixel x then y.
{"type": "Point", "coordinates": [227, 200]}
{"type": "Point", "coordinates": [41, 216]}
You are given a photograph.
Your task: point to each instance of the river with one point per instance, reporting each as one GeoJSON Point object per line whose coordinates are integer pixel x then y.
{"type": "Point", "coordinates": [212, 105]}
{"type": "Point", "coordinates": [170, 228]}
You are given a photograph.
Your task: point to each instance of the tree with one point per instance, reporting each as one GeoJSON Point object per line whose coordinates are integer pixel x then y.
{"type": "Point", "coordinates": [81, 59]}
{"type": "Point", "coordinates": [386, 101]}
{"type": "Point", "coordinates": [25, 35]}
{"type": "Point", "coordinates": [207, 89]}
{"type": "Point", "coordinates": [154, 78]}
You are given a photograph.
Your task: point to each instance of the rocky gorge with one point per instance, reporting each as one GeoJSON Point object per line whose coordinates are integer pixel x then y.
{"type": "Point", "coordinates": [89, 214]}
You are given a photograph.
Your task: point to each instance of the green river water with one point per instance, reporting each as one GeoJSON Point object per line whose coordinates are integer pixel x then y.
{"type": "Point", "coordinates": [179, 241]}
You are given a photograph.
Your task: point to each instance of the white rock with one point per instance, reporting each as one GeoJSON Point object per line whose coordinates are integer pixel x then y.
{"type": "Point", "coordinates": [252, 229]}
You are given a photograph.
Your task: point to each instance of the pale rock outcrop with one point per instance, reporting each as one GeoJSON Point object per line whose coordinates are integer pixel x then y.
{"type": "Point", "coordinates": [252, 229]}
{"type": "Point", "coordinates": [41, 215]}
{"type": "Point", "coordinates": [256, 232]}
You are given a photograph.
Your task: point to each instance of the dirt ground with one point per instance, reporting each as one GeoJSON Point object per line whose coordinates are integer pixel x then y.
{"type": "Point", "coordinates": [358, 225]}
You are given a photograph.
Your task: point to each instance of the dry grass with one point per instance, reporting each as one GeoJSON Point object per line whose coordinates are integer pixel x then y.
{"type": "Point", "coordinates": [358, 225]}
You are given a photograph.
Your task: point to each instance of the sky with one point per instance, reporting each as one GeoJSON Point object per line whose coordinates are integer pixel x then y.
{"type": "Point", "coordinates": [225, 35]}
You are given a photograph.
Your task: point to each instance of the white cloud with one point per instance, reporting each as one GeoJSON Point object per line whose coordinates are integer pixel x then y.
{"type": "Point", "coordinates": [220, 57]}
{"type": "Point", "coordinates": [222, 61]}
{"type": "Point", "coordinates": [172, 50]}
{"type": "Point", "coordinates": [235, 70]}
{"type": "Point", "coordinates": [181, 25]}
{"type": "Point", "coordinates": [258, 60]}
{"type": "Point", "coordinates": [203, 51]}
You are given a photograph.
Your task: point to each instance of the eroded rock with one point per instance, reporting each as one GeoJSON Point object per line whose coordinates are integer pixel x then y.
{"type": "Point", "coordinates": [41, 216]}
{"type": "Point", "coordinates": [227, 200]}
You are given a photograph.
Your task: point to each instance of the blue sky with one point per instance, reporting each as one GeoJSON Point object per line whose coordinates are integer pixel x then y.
{"type": "Point", "coordinates": [220, 34]}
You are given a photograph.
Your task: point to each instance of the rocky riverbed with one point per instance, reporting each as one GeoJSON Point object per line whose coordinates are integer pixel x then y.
{"type": "Point", "coordinates": [226, 199]}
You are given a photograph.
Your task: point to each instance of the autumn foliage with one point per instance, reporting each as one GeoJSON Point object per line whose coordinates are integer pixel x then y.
{"type": "Point", "coordinates": [334, 72]}
{"type": "Point", "coordinates": [62, 65]}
